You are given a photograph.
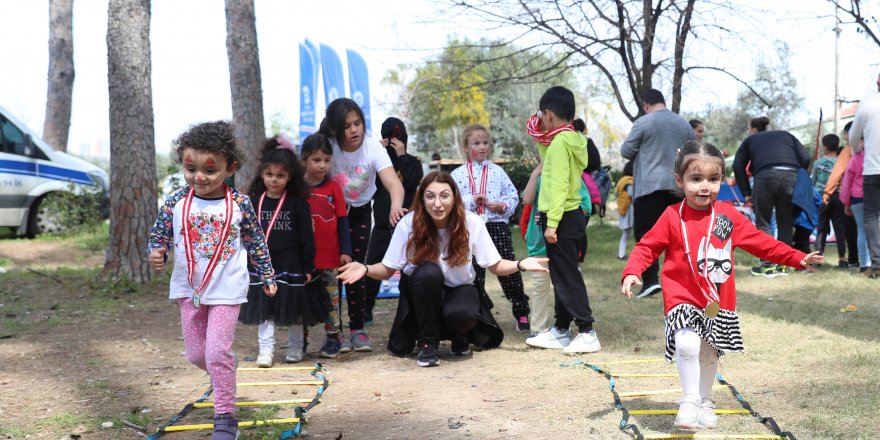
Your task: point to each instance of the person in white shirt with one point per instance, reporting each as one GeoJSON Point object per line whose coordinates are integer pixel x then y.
{"type": "Point", "coordinates": [866, 125]}
{"type": "Point", "coordinates": [433, 247]}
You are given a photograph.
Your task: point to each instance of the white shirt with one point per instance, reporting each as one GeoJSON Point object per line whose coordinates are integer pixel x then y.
{"type": "Point", "coordinates": [356, 172]}
{"type": "Point", "coordinates": [480, 243]}
{"type": "Point", "coordinates": [867, 125]}
{"type": "Point", "coordinates": [230, 281]}
{"type": "Point", "coordinates": [499, 188]}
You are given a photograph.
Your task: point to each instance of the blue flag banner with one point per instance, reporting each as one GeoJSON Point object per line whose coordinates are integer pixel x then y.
{"type": "Point", "coordinates": [359, 84]}
{"type": "Point", "coordinates": [334, 81]}
{"type": "Point", "coordinates": [308, 89]}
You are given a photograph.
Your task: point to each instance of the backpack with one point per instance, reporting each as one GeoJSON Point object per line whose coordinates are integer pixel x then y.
{"type": "Point", "coordinates": [603, 181]}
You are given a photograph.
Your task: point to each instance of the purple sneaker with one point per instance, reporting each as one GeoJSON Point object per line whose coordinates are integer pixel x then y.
{"type": "Point", "coordinates": [360, 341]}
{"type": "Point", "coordinates": [225, 427]}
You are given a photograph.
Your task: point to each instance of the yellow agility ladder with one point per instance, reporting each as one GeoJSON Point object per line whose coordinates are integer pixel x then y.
{"type": "Point", "coordinates": [625, 424]}
{"type": "Point", "coordinates": [301, 406]}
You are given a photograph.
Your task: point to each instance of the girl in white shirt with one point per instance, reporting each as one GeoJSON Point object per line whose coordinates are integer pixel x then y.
{"type": "Point", "coordinates": [356, 163]}
{"type": "Point", "coordinates": [433, 247]}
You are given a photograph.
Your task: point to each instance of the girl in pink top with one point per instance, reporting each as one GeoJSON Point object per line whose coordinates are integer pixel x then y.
{"type": "Point", "coordinates": [851, 194]}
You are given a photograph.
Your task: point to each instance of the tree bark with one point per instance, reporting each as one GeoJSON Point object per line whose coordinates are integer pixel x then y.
{"type": "Point", "coordinates": [246, 87]}
{"type": "Point", "coordinates": [133, 206]}
{"type": "Point", "coordinates": [60, 91]}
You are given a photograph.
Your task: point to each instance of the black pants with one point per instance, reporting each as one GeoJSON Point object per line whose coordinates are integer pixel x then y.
{"type": "Point", "coordinates": [647, 209]}
{"type": "Point", "coordinates": [569, 291]}
{"type": "Point", "coordinates": [440, 309]}
{"type": "Point", "coordinates": [773, 190]}
{"type": "Point", "coordinates": [360, 220]}
{"type": "Point", "coordinates": [833, 215]}
{"type": "Point", "coordinates": [511, 285]}
{"type": "Point", "coordinates": [379, 240]}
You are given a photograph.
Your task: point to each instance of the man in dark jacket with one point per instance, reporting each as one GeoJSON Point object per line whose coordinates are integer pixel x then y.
{"type": "Point", "coordinates": [773, 157]}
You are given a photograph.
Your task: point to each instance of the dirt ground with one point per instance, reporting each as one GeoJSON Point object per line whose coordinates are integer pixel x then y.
{"type": "Point", "coordinates": [79, 354]}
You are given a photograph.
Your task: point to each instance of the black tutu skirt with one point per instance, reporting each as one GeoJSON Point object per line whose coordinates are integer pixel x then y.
{"type": "Point", "coordinates": [295, 302]}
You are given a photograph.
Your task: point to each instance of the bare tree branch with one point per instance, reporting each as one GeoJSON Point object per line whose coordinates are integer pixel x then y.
{"type": "Point", "coordinates": [719, 69]}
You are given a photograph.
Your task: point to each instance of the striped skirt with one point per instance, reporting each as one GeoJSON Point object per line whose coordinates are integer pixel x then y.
{"type": "Point", "coordinates": [721, 333]}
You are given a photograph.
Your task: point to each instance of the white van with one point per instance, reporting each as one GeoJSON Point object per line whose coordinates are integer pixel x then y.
{"type": "Point", "coordinates": [31, 170]}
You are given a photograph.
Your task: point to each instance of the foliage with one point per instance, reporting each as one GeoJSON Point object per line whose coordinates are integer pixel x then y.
{"type": "Point", "coordinates": [775, 95]}
{"type": "Point", "coordinates": [485, 82]}
{"type": "Point", "coordinates": [75, 210]}
{"type": "Point", "coordinates": [279, 122]}
{"type": "Point", "coordinates": [519, 172]}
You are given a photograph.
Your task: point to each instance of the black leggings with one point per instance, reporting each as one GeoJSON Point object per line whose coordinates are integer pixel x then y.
{"type": "Point", "coordinates": [359, 221]}
{"type": "Point", "coordinates": [440, 309]}
{"type": "Point", "coordinates": [511, 285]}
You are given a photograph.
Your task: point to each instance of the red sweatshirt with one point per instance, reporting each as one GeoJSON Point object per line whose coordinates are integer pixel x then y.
{"type": "Point", "coordinates": [731, 230]}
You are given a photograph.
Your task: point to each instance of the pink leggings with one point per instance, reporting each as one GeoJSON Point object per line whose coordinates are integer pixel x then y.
{"type": "Point", "coordinates": [208, 333]}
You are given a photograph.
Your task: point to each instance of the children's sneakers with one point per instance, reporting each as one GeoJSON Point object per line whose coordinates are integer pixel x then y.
{"type": "Point", "coordinates": [688, 412]}
{"type": "Point", "coordinates": [584, 343]}
{"type": "Point", "coordinates": [331, 346]}
{"type": "Point", "coordinates": [768, 271]}
{"type": "Point", "coordinates": [225, 427]}
{"type": "Point", "coordinates": [707, 417]}
{"type": "Point", "coordinates": [296, 346]}
{"type": "Point", "coordinates": [428, 356]}
{"type": "Point", "coordinates": [360, 342]}
{"type": "Point", "coordinates": [550, 338]}
{"type": "Point", "coordinates": [264, 360]}
{"type": "Point", "coordinates": [344, 344]}
{"type": "Point", "coordinates": [522, 324]}
{"type": "Point", "coordinates": [460, 347]}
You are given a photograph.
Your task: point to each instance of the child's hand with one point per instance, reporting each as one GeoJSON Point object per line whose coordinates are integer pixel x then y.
{"type": "Point", "coordinates": [157, 259]}
{"type": "Point", "coordinates": [812, 258]}
{"type": "Point", "coordinates": [498, 207]}
{"type": "Point", "coordinates": [344, 259]}
{"type": "Point", "coordinates": [396, 215]}
{"type": "Point", "coordinates": [628, 282]}
{"type": "Point", "coordinates": [847, 209]}
{"type": "Point", "coordinates": [270, 290]}
{"type": "Point", "coordinates": [550, 235]}
{"type": "Point", "coordinates": [352, 272]}
{"type": "Point", "coordinates": [480, 199]}
{"type": "Point", "coordinates": [308, 278]}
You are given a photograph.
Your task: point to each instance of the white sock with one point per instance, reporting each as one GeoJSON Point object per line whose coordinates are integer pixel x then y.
{"type": "Point", "coordinates": [266, 336]}
{"type": "Point", "coordinates": [687, 359]}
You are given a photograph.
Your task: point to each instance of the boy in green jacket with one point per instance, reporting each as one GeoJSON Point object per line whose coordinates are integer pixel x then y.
{"type": "Point", "coordinates": [563, 152]}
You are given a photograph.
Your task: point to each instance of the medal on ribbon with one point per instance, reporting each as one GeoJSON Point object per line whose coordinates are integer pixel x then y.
{"type": "Point", "coordinates": [713, 300]}
{"type": "Point", "coordinates": [484, 182]}
{"type": "Point", "coordinates": [188, 247]}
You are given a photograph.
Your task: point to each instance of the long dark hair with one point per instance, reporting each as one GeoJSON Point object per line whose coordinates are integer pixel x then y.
{"type": "Point", "coordinates": [278, 151]}
{"type": "Point", "coordinates": [424, 240]}
{"type": "Point", "coordinates": [333, 124]}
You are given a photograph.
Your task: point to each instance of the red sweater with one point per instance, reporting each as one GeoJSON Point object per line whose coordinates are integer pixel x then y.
{"type": "Point", "coordinates": [731, 230]}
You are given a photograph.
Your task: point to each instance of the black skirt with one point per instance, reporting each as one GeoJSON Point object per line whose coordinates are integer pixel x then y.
{"type": "Point", "coordinates": [295, 302]}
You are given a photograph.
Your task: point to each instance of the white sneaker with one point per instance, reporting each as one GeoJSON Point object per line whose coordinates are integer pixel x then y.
{"type": "Point", "coordinates": [584, 343]}
{"type": "Point", "coordinates": [707, 417]}
{"type": "Point", "coordinates": [264, 360]}
{"type": "Point", "coordinates": [296, 342]}
{"type": "Point", "coordinates": [550, 338]}
{"type": "Point", "coordinates": [688, 412]}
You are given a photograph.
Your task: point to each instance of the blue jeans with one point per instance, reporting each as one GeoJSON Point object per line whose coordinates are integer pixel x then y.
{"type": "Point", "coordinates": [872, 217]}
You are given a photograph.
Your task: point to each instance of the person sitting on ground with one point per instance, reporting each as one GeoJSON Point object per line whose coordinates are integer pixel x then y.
{"type": "Point", "coordinates": [433, 246]}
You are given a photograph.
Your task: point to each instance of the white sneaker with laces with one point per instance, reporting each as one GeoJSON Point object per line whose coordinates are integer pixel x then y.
{"type": "Point", "coordinates": [550, 338]}
{"type": "Point", "coordinates": [584, 343]}
{"type": "Point", "coordinates": [688, 412]}
{"type": "Point", "coordinates": [264, 360]}
{"type": "Point", "coordinates": [707, 417]}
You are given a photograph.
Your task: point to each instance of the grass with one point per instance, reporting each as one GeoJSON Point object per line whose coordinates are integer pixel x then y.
{"type": "Point", "coordinates": [807, 363]}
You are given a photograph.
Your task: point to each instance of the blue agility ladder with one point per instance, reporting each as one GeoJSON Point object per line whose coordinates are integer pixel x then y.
{"type": "Point", "coordinates": [631, 428]}
{"type": "Point", "coordinates": [302, 406]}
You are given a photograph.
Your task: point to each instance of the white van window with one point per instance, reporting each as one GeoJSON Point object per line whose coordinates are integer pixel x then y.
{"type": "Point", "coordinates": [12, 139]}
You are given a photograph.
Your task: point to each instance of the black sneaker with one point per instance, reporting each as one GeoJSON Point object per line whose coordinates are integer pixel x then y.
{"type": "Point", "coordinates": [461, 347]}
{"type": "Point", "coordinates": [428, 354]}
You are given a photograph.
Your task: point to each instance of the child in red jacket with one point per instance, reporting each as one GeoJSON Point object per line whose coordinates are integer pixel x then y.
{"type": "Point", "coordinates": [699, 295]}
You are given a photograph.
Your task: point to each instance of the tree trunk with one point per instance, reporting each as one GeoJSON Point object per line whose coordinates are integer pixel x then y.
{"type": "Point", "coordinates": [246, 86]}
{"type": "Point", "coordinates": [684, 28]}
{"type": "Point", "coordinates": [60, 90]}
{"type": "Point", "coordinates": [133, 207]}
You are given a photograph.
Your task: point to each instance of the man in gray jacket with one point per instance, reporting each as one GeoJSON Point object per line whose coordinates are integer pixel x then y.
{"type": "Point", "coordinates": [652, 144]}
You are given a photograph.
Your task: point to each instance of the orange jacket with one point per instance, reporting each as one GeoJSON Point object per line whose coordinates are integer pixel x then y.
{"type": "Point", "coordinates": [836, 174]}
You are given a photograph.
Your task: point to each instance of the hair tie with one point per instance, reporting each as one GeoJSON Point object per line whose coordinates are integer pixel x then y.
{"type": "Point", "coordinates": [285, 143]}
